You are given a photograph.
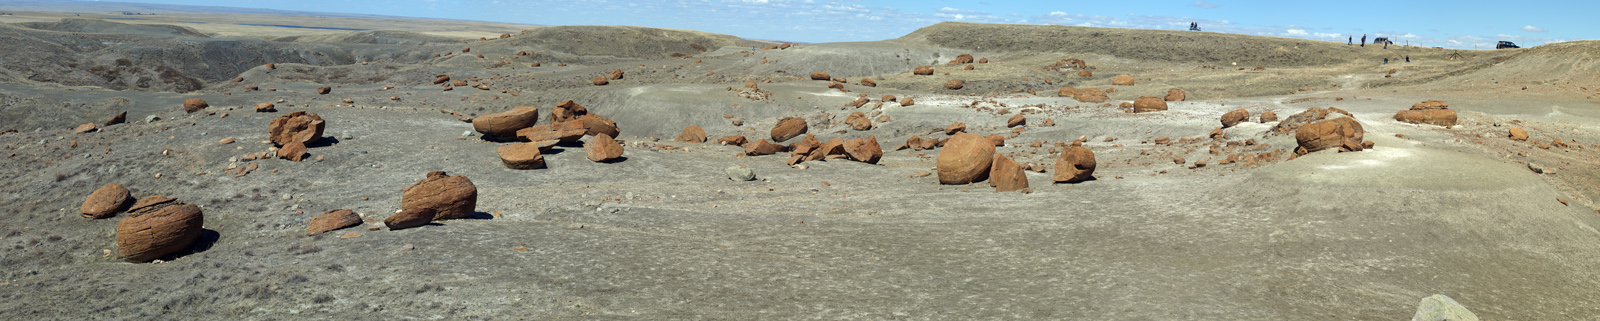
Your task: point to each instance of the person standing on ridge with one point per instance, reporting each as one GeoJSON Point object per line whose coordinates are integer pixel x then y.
{"type": "Point", "coordinates": [1363, 40]}
{"type": "Point", "coordinates": [1350, 41]}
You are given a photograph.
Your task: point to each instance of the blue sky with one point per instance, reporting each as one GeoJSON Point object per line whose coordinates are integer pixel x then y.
{"type": "Point", "coordinates": [1454, 24]}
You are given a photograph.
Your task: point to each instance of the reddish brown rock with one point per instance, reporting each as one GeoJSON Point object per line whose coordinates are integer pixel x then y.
{"type": "Point", "coordinates": [1048, 122]}
{"type": "Point", "coordinates": [888, 98]}
{"type": "Point", "coordinates": [1176, 95]}
{"type": "Point", "coordinates": [441, 79]}
{"type": "Point", "coordinates": [546, 133]}
{"type": "Point", "coordinates": [962, 59]}
{"type": "Point", "coordinates": [300, 126]}
{"type": "Point", "coordinates": [907, 102]}
{"type": "Point", "coordinates": [1145, 104]}
{"type": "Point", "coordinates": [409, 218]}
{"type": "Point", "coordinates": [865, 150]}
{"type": "Point", "coordinates": [788, 127]}
{"type": "Point", "coordinates": [1090, 95]}
{"type": "Point", "coordinates": [954, 84]}
{"type": "Point", "coordinates": [266, 108]}
{"type": "Point", "coordinates": [858, 121]}
{"type": "Point", "coordinates": [616, 74]}
{"type": "Point", "coordinates": [1066, 92]}
{"type": "Point", "coordinates": [567, 110]}
{"type": "Point", "coordinates": [1516, 133]}
{"type": "Point", "coordinates": [1017, 120]}
{"type": "Point", "coordinates": [86, 127]}
{"type": "Point", "coordinates": [1235, 117]}
{"type": "Point", "coordinates": [1075, 165]}
{"type": "Point", "coordinates": [1006, 175]}
{"type": "Point", "coordinates": [692, 134]}
{"type": "Point", "coordinates": [192, 105]}
{"type": "Point", "coordinates": [761, 147]}
{"type": "Point", "coordinates": [293, 151]}
{"type": "Point", "coordinates": [820, 76]}
{"type": "Point", "coordinates": [735, 140]}
{"type": "Point", "coordinates": [956, 127]}
{"type": "Point", "coordinates": [594, 125]}
{"type": "Point", "coordinates": [521, 156]}
{"type": "Point", "coordinates": [1430, 104]}
{"type": "Point", "coordinates": [1122, 80]}
{"type": "Point", "coordinates": [966, 158]}
{"type": "Point", "coordinates": [1330, 133]}
{"type": "Point", "coordinates": [121, 117]}
{"type": "Point", "coordinates": [1085, 74]}
{"type": "Point", "coordinates": [983, 60]}
{"type": "Point", "coordinates": [333, 220]}
{"type": "Point", "coordinates": [506, 123]}
{"type": "Point", "coordinates": [106, 201]}
{"type": "Point", "coordinates": [324, 90]}
{"type": "Point", "coordinates": [602, 148]}
{"type": "Point", "coordinates": [922, 70]}
{"type": "Point", "coordinates": [450, 197]}
{"type": "Point", "coordinates": [835, 85]}
{"type": "Point", "coordinates": [158, 226]}
{"type": "Point", "coordinates": [968, 67]}
{"type": "Point", "coordinates": [1268, 116]}
{"type": "Point", "coordinates": [1310, 115]}
{"type": "Point", "coordinates": [914, 143]}
{"type": "Point", "coordinates": [1441, 117]}
{"type": "Point", "coordinates": [868, 82]}
{"type": "Point", "coordinates": [996, 139]}
{"type": "Point", "coordinates": [600, 81]}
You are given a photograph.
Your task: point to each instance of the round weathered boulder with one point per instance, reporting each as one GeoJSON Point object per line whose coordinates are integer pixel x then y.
{"type": "Point", "coordinates": [1176, 95]}
{"type": "Point", "coordinates": [450, 197]}
{"type": "Point", "coordinates": [1090, 95]}
{"type": "Point", "coordinates": [1145, 104]}
{"type": "Point", "coordinates": [922, 70]}
{"type": "Point", "coordinates": [297, 126]}
{"type": "Point", "coordinates": [506, 123]}
{"type": "Point", "coordinates": [1235, 117]}
{"type": "Point", "coordinates": [965, 159]}
{"type": "Point", "coordinates": [409, 218]}
{"type": "Point", "coordinates": [106, 201]}
{"type": "Point", "coordinates": [1441, 117]}
{"type": "Point", "coordinates": [1268, 116]}
{"type": "Point", "coordinates": [1075, 165]}
{"type": "Point", "coordinates": [192, 105]}
{"type": "Point", "coordinates": [954, 84]}
{"type": "Point", "coordinates": [600, 80]}
{"type": "Point", "coordinates": [1122, 80]}
{"type": "Point", "coordinates": [820, 76]}
{"type": "Point", "coordinates": [692, 134]}
{"type": "Point", "coordinates": [158, 226]}
{"type": "Point", "coordinates": [1342, 132]}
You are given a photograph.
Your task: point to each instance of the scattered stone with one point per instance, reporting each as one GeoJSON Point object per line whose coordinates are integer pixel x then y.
{"type": "Point", "coordinates": [735, 140]}
{"type": "Point", "coordinates": [1176, 95]}
{"type": "Point", "coordinates": [1439, 307]}
{"type": "Point", "coordinates": [266, 108]}
{"type": "Point", "coordinates": [865, 150]}
{"type": "Point", "coordinates": [1235, 117]}
{"type": "Point", "coordinates": [954, 84]}
{"type": "Point", "coordinates": [1017, 120]}
{"type": "Point", "coordinates": [441, 79]}
{"type": "Point", "coordinates": [868, 82]}
{"type": "Point", "coordinates": [158, 226]}
{"type": "Point", "coordinates": [333, 220]}
{"type": "Point", "coordinates": [907, 102]}
{"type": "Point", "coordinates": [966, 158]}
{"type": "Point", "coordinates": [1268, 116]}
{"type": "Point", "coordinates": [602, 148]}
{"type": "Point", "coordinates": [1085, 74]}
{"type": "Point", "coordinates": [616, 74]}
{"type": "Point", "coordinates": [961, 59]}
{"type": "Point", "coordinates": [1076, 164]}
{"type": "Point", "coordinates": [594, 125]}
{"type": "Point", "coordinates": [449, 197]}
{"type": "Point", "coordinates": [692, 134]}
{"type": "Point", "coordinates": [600, 81]}
{"type": "Point", "coordinates": [788, 127]}
{"type": "Point", "coordinates": [1006, 175]}
{"type": "Point", "coordinates": [300, 126]}
{"type": "Point", "coordinates": [761, 147]}
{"type": "Point", "coordinates": [922, 70]}
{"type": "Point", "coordinates": [324, 90]}
{"type": "Point", "coordinates": [293, 151]}
{"type": "Point", "coordinates": [118, 119]}
{"type": "Point", "coordinates": [740, 173]}
{"type": "Point", "coordinates": [409, 218]}
{"type": "Point", "coordinates": [106, 201]}
{"type": "Point", "coordinates": [820, 76]}
{"type": "Point", "coordinates": [506, 123]}
{"type": "Point", "coordinates": [1145, 104]}
{"type": "Point", "coordinates": [1122, 80]}
{"type": "Point", "coordinates": [858, 121]}
{"type": "Point", "coordinates": [522, 155]}
{"type": "Point", "coordinates": [192, 105]}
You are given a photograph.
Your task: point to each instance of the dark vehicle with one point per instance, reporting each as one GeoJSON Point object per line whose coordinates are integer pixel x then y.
{"type": "Point", "coordinates": [1381, 41]}
{"type": "Point", "coordinates": [1505, 44]}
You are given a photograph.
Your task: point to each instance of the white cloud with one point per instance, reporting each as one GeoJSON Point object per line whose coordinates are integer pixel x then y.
{"type": "Point", "coordinates": [1203, 4]}
{"type": "Point", "coordinates": [1532, 29]}
{"type": "Point", "coordinates": [1298, 32]}
{"type": "Point", "coordinates": [1058, 14]}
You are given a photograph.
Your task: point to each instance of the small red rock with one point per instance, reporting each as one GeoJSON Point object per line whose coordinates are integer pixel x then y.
{"type": "Point", "coordinates": [333, 220]}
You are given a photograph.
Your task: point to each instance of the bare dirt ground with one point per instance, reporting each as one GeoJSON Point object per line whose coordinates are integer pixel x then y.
{"type": "Point", "coordinates": [664, 234]}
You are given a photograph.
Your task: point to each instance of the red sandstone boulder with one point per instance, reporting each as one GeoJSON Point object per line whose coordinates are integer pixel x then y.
{"type": "Point", "coordinates": [332, 220]}
{"type": "Point", "coordinates": [567, 110]}
{"type": "Point", "coordinates": [409, 218]}
{"type": "Point", "coordinates": [1176, 95]}
{"type": "Point", "coordinates": [548, 133]}
{"type": "Point", "coordinates": [761, 147]}
{"type": "Point", "coordinates": [962, 59]}
{"type": "Point", "coordinates": [324, 90]}
{"type": "Point", "coordinates": [266, 108]}
{"type": "Point", "coordinates": [1430, 104]}
{"type": "Point", "coordinates": [118, 119]}
{"type": "Point", "coordinates": [735, 140]}
{"type": "Point", "coordinates": [86, 127]}
{"type": "Point", "coordinates": [865, 150]}
{"type": "Point", "coordinates": [450, 197]}
{"type": "Point", "coordinates": [1017, 120]}
{"type": "Point", "coordinates": [1075, 165]}
{"type": "Point", "coordinates": [820, 76]}
{"type": "Point", "coordinates": [1310, 115]}
{"type": "Point", "coordinates": [868, 82]}
{"type": "Point", "coordinates": [521, 156]}
{"type": "Point", "coordinates": [1085, 73]}
{"type": "Point", "coordinates": [858, 121]}
{"type": "Point", "coordinates": [192, 105]}
{"type": "Point", "coordinates": [106, 201]}
{"type": "Point", "coordinates": [1343, 132]}
{"type": "Point", "coordinates": [506, 123]}
{"type": "Point", "coordinates": [594, 125]}
{"type": "Point", "coordinates": [1067, 92]}
{"type": "Point", "coordinates": [1235, 117]}
{"type": "Point", "coordinates": [907, 102]}
{"type": "Point", "coordinates": [158, 226]}
{"type": "Point", "coordinates": [692, 134]}
{"type": "Point", "coordinates": [1006, 175]}
{"type": "Point", "coordinates": [1268, 116]}
{"type": "Point", "coordinates": [616, 74]}
{"type": "Point", "coordinates": [788, 127]}
{"type": "Point", "coordinates": [923, 70]}
{"type": "Point", "coordinates": [1122, 80]}
{"type": "Point", "coordinates": [600, 81]}
{"type": "Point", "coordinates": [1091, 95]}
{"type": "Point", "coordinates": [602, 148]}
{"type": "Point", "coordinates": [1441, 117]}
{"type": "Point", "coordinates": [966, 158]}
{"type": "Point", "coordinates": [956, 127]}
{"type": "Point", "coordinates": [954, 84]}
{"type": "Point", "coordinates": [1517, 133]}
{"type": "Point", "coordinates": [441, 79]}
{"type": "Point", "coordinates": [1145, 104]}
{"type": "Point", "coordinates": [293, 151]}
{"type": "Point", "coordinates": [300, 126]}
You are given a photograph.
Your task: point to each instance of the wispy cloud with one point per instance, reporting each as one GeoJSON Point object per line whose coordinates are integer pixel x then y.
{"type": "Point", "coordinates": [1205, 5]}
{"type": "Point", "coordinates": [1532, 29]}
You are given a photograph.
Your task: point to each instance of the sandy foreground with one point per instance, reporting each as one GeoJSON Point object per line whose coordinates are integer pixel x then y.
{"type": "Point", "coordinates": [1505, 227]}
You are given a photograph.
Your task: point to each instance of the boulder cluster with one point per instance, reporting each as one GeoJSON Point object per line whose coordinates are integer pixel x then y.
{"type": "Point", "coordinates": [569, 123]}
{"type": "Point", "coordinates": [154, 227]}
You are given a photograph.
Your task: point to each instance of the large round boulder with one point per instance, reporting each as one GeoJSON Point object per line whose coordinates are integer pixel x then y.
{"type": "Point", "coordinates": [1145, 104]}
{"type": "Point", "coordinates": [1344, 133]}
{"type": "Point", "coordinates": [1235, 117]}
{"type": "Point", "coordinates": [158, 226]}
{"type": "Point", "coordinates": [965, 159]}
{"type": "Point", "coordinates": [297, 126]}
{"type": "Point", "coordinates": [451, 197]}
{"type": "Point", "coordinates": [506, 123]}
{"type": "Point", "coordinates": [106, 201]}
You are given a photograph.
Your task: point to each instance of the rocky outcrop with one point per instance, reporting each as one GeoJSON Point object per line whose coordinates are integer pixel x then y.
{"type": "Point", "coordinates": [1122, 80]}
{"type": "Point", "coordinates": [1235, 117]}
{"type": "Point", "coordinates": [158, 226]}
{"type": "Point", "coordinates": [1075, 165]}
{"type": "Point", "coordinates": [450, 197]}
{"type": "Point", "coordinates": [300, 126]}
{"type": "Point", "coordinates": [966, 158]}
{"type": "Point", "coordinates": [332, 220]}
{"type": "Point", "coordinates": [521, 156]}
{"type": "Point", "coordinates": [506, 123]}
{"type": "Point", "coordinates": [1145, 104]}
{"type": "Point", "coordinates": [788, 127]}
{"type": "Point", "coordinates": [106, 201]}
{"type": "Point", "coordinates": [602, 148]}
